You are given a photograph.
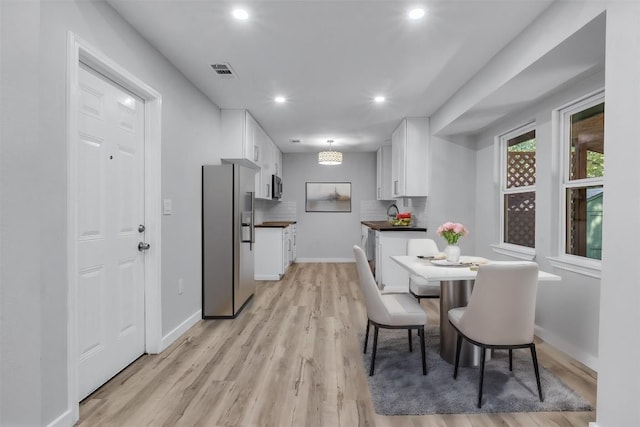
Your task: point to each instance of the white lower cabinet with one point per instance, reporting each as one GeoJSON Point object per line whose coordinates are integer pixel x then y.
{"type": "Point", "coordinates": [389, 275]}
{"type": "Point", "coordinates": [286, 248]}
{"type": "Point", "coordinates": [364, 234]}
{"type": "Point", "coordinates": [274, 251]}
{"type": "Point", "coordinates": [293, 252]}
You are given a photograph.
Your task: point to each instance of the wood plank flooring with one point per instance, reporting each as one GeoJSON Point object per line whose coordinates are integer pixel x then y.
{"type": "Point", "coordinates": [292, 358]}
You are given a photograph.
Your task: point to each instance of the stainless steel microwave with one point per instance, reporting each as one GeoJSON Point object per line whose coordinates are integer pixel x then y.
{"type": "Point", "coordinates": [276, 185]}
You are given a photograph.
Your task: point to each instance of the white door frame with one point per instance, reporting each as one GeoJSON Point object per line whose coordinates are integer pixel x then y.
{"type": "Point", "coordinates": [80, 51]}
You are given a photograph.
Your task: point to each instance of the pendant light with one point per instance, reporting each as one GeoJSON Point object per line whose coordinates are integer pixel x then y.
{"type": "Point", "coordinates": [330, 157]}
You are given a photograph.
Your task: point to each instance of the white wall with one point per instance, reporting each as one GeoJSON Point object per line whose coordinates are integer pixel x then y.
{"type": "Point", "coordinates": [322, 235]}
{"type": "Point", "coordinates": [451, 189]}
{"type": "Point", "coordinates": [619, 373]}
{"type": "Point", "coordinates": [567, 311]}
{"type": "Point", "coordinates": [34, 281]}
{"type": "Point", "coordinates": [20, 230]}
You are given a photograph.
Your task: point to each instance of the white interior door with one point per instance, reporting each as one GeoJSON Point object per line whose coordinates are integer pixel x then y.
{"type": "Point", "coordinates": [110, 208]}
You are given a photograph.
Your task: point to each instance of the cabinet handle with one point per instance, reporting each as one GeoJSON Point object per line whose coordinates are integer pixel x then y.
{"type": "Point", "coordinates": [395, 187]}
{"type": "Point", "coordinates": [379, 192]}
{"type": "Point", "coordinates": [268, 191]}
{"type": "Point", "coordinates": [256, 153]}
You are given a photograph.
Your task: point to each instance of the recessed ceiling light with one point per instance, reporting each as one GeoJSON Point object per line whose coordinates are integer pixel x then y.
{"type": "Point", "coordinates": [240, 14]}
{"type": "Point", "coordinates": [379, 99]}
{"type": "Point", "coordinates": [280, 99]}
{"type": "Point", "coordinates": [416, 13]}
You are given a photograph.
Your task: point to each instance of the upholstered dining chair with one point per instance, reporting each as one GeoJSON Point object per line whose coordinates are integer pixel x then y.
{"type": "Point", "coordinates": [389, 311]}
{"type": "Point", "coordinates": [418, 286]}
{"type": "Point", "coordinates": [500, 313]}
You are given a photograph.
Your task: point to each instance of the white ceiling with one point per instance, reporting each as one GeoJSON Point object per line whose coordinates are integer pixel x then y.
{"type": "Point", "coordinates": [581, 54]}
{"type": "Point", "coordinates": [330, 58]}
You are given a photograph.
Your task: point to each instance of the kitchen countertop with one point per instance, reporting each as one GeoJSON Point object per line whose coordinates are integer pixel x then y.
{"type": "Point", "coordinates": [385, 226]}
{"type": "Point", "coordinates": [275, 224]}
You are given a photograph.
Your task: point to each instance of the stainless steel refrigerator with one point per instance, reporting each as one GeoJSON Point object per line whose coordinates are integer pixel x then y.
{"type": "Point", "coordinates": [227, 239]}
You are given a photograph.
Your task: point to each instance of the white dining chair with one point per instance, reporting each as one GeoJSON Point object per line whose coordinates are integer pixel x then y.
{"type": "Point", "coordinates": [388, 311]}
{"type": "Point", "coordinates": [500, 313]}
{"type": "Point", "coordinates": [418, 286]}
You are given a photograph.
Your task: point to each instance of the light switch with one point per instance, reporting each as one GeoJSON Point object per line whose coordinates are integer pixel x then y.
{"type": "Point", "coordinates": [167, 206]}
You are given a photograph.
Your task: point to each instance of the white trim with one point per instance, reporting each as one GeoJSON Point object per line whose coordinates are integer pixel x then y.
{"type": "Point", "coordinates": [561, 114]}
{"type": "Point", "coordinates": [267, 277]}
{"type": "Point", "coordinates": [592, 424]}
{"type": "Point", "coordinates": [576, 264]}
{"type": "Point", "coordinates": [65, 419]}
{"type": "Point", "coordinates": [79, 50]}
{"type": "Point", "coordinates": [515, 251]}
{"type": "Point", "coordinates": [321, 260]}
{"type": "Point", "coordinates": [567, 348]}
{"type": "Point", "coordinates": [501, 143]}
{"type": "Point", "coordinates": [183, 327]}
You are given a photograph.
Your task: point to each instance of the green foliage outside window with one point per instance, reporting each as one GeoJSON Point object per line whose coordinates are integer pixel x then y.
{"type": "Point", "coordinates": [525, 146]}
{"type": "Point", "coordinates": [595, 164]}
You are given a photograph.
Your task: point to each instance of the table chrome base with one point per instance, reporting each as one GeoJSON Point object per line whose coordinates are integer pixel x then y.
{"type": "Point", "coordinates": [453, 294]}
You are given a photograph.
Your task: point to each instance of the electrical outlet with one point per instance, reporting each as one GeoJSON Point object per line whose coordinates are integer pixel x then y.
{"type": "Point", "coordinates": [180, 286]}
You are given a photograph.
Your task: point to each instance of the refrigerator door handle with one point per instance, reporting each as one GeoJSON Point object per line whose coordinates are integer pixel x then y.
{"type": "Point", "coordinates": [253, 222]}
{"type": "Point", "coordinates": [247, 222]}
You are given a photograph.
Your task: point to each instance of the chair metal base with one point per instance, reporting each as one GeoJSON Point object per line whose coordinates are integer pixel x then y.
{"type": "Point", "coordinates": [377, 326]}
{"type": "Point", "coordinates": [484, 347]}
{"type": "Point", "coordinates": [419, 297]}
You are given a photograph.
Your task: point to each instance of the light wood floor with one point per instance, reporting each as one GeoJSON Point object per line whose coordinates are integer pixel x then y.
{"type": "Point", "coordinates": [292, 358]}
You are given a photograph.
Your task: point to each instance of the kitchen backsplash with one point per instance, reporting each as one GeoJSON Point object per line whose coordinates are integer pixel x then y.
{"type": "Point", "coordinates": [373, 210]}
{"type": "Point", "coordinates": [281, 211]}
{"type": "Point", "coordinates": [376, 210]}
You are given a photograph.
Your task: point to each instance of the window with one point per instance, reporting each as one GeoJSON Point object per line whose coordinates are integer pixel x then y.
{"type": "Point", "coordinates": [518, 179]}
{"type": "Point", "coordinates": [583, 177]}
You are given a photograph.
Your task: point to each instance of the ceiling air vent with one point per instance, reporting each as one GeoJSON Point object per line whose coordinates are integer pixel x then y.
{"type": "Point", "coordinates": [224, 70]}
{"type": "Point", "coordinates": [294, 141]}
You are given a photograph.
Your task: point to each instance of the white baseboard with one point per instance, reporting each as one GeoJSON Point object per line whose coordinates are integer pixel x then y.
{"type": "Point", "coordinates": [183, 327]}
{"type": "Point", "coordinates": [592, 424]}
{"type": "Point", "coordinates": [64, 420]}
{"type": "Point", "coordinates": [267, 277]}
{"type": "Point", "coordinates": [307, 260]}
{"type": "Point", "coordinates": [568, 348]}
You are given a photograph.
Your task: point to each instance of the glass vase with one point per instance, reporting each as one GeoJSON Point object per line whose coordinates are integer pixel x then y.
{"type": "Point", "coordinates": [453, 253]}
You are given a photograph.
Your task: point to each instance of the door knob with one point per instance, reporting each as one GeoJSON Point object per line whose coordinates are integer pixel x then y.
{"type": "Point", "coordinates": [143, 246]}
{"type": "Point", "coordinates": [141, 228]}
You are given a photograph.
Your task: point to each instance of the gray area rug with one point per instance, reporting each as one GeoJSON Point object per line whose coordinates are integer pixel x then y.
{"type": "Point", "coordinates": [399, 388]}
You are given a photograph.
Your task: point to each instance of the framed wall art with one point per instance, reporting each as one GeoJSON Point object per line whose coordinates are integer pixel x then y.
{"type": "Point", "coordinates": [328, 197]}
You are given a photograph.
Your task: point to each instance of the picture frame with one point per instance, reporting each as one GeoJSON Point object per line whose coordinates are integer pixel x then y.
{"type": "Point", "coordinates": [327, 197]}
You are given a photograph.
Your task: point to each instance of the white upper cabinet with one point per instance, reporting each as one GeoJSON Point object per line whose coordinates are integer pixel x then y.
{"type": "Point", "coordinates": [269, 161]}
{"type": "Point", "coordinates": [266, 161]}
{"type": "Point", "coordinates": [262, 187]}
{"type": "Point", "coordinates": [239, 131]}
{"type": "Point", "coordinates": [409, 163]}
{"type": "Point", "coordinates": [278, 164]}
{"type": "Point", "coordinates": [245, 142]}
{"type": "Point", "coordinates": [383, 173]}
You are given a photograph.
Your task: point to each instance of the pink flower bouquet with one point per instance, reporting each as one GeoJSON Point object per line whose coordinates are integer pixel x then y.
{"type": "Point", "coordinates": [452, 231]}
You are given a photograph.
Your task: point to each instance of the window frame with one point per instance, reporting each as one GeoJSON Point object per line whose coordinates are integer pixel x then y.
{"type": "Point", "coordinates": [503, 247]}
{"type": "Point", "coordinates": [575, 263]}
